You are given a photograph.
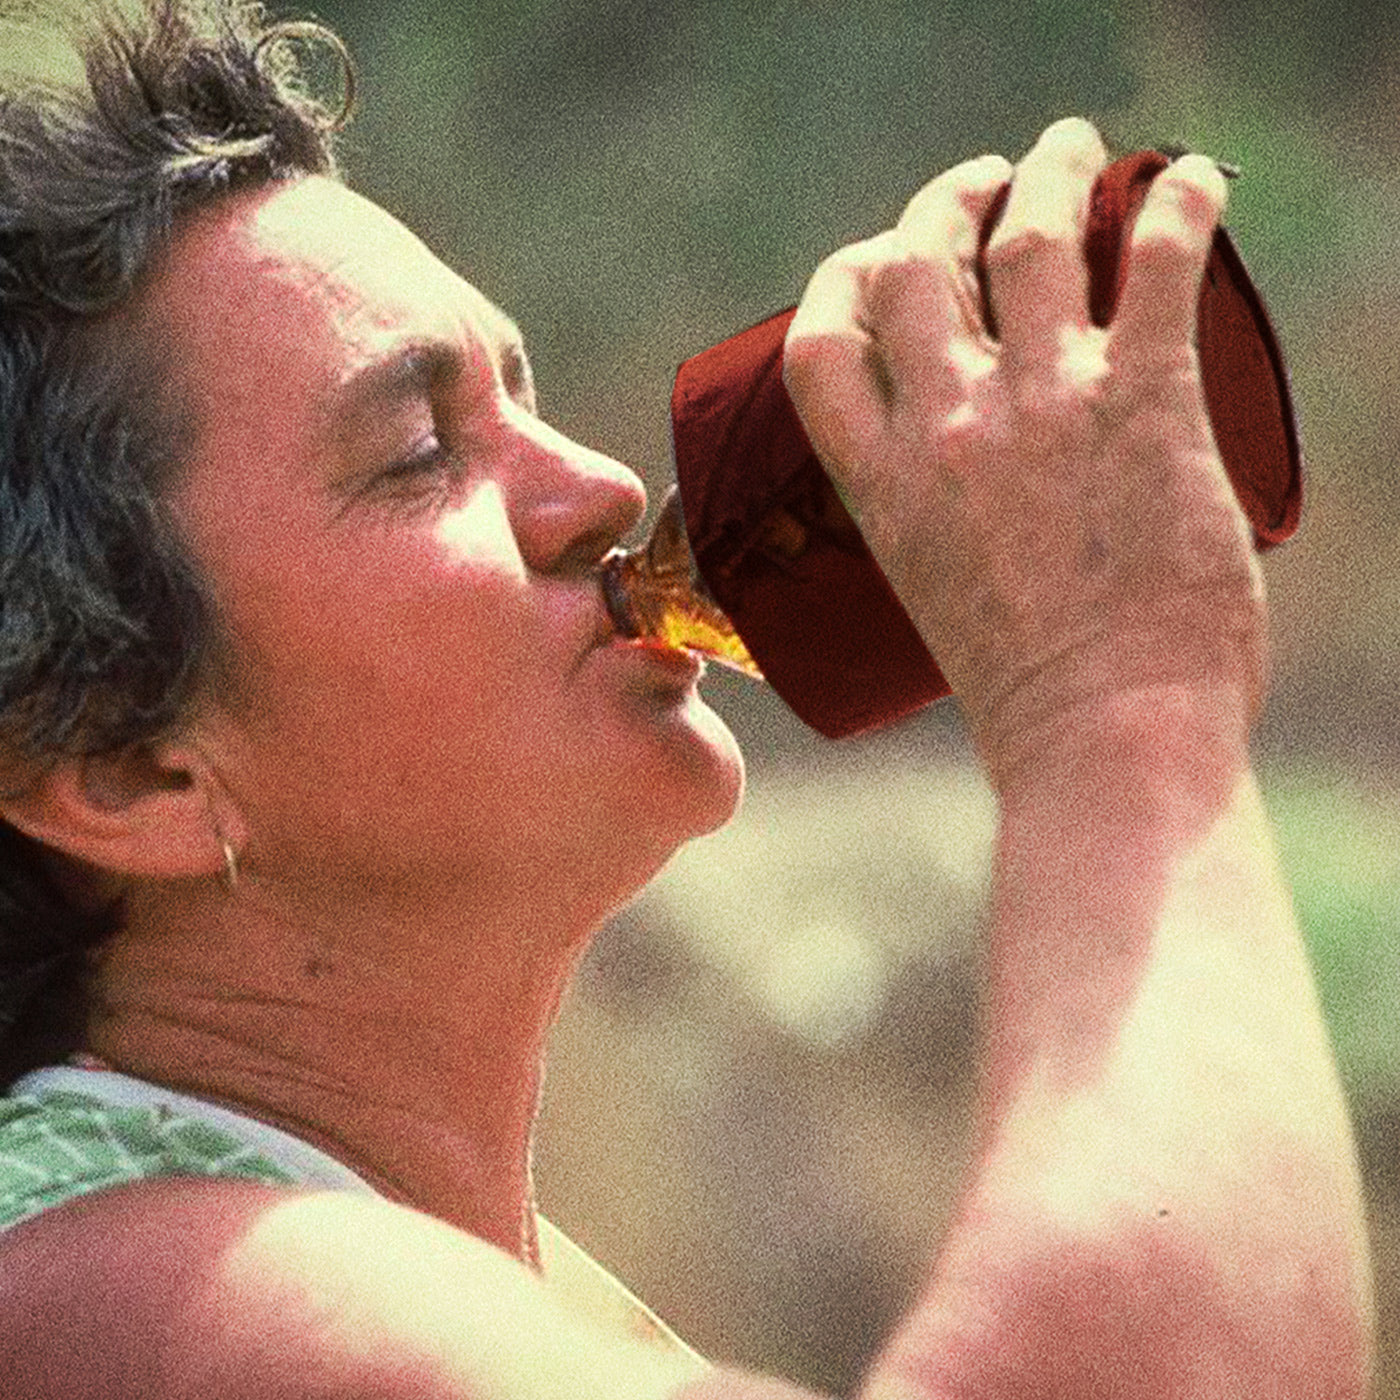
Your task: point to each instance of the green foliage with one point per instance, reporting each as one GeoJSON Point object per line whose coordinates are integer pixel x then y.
{"type": "Point", "coordinates": [1341, 847]}
{"type": "Point", "coordinates": [618, 164]}
{"type": "Point", "coordinates": [636, 177]}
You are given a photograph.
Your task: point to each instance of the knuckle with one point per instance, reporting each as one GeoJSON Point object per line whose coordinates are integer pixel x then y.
{"type": "Point", "coordinates": [871, 251]}
{"type": "Point", "coordinates": [986, 170]}
{"type": "Point", "coordinates": [1200, 173]}
{"type": "Point", "coordinates": [814, 359]}
{"type": "Point", "coordinates": [1074, 137]}
{"type": "Point", "coordinates": [985, 177]}
{"type": "Point", "coordinates": [1066, 401]}
{"type": "Point", "coordinates": [846, 259]}
{"type": "Point", "coordinates": [833, 271]}
{"type": "Point", "coordinates": [1018, 245]}
{"type": "Point", "coordinates": [838, 269]}
{"type": "Point", "coordinates": [899, 270]}
{"type": "Point", "coordinates": [963, 438]}
{"type": "Point", "coordinates": [930, 212]}
{"type": "Point", "coordinates": [965, 187]}
{"type": "Point", "coordinates": [1192, 198]}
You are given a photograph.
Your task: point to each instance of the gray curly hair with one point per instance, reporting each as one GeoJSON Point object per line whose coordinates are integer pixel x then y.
{"type": "Point", "coordinates": [116, 119]}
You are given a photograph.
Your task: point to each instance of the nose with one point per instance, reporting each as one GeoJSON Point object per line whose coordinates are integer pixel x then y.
{"type": "Point", "coordinates": [568, 505]}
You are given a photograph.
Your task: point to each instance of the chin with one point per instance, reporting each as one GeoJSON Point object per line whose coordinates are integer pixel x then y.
{"type": "Point", "coordinates": [685, 780]}
{"type": "Point", "coordinates": [691, 777]}
{"type": "Point", "coordinates": [725, 783]}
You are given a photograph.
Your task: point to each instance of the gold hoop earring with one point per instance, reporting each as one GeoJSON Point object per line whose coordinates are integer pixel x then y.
{"type": "Point", "coordinates": [229, 877]}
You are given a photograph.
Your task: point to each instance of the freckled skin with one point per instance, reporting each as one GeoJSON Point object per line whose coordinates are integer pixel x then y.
{"type": "Point", "coordinates": [412, 658]}
{"type": "Point", "coordinates": [441, 783]}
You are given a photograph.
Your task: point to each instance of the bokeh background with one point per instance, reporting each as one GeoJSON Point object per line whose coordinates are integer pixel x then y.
{"type": "Point", "coordinates": [758, 1107]}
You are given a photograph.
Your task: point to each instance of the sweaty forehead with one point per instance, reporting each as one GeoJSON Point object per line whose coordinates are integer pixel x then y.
{"type": "Point", "coordinates": [298, 286]}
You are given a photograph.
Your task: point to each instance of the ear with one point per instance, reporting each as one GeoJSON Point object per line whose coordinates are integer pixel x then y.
{"type": "Point", "coordinates": [157, 811]}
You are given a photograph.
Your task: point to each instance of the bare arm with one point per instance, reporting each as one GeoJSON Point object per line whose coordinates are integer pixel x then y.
{"type": "Point", "coordinates": [1166, 1201]}
{"type": "Point", "coordinates": [182, 1290]}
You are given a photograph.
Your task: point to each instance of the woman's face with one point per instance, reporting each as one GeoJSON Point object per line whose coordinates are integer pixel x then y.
{"type": "Point", "coordinates": [425, 688]}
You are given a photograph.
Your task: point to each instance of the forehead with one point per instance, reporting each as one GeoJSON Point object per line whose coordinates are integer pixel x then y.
{"type": "Point", "coordinates": [298, 286]}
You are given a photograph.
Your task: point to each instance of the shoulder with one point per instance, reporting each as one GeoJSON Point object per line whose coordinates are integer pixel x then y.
{"type": "Point", "coordinates": [180, 1288]}
{"type": "Point", "coordinates": [142, 1288]}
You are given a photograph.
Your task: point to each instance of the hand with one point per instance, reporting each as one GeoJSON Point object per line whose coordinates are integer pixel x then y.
{"type": "Point", "coordinates": [1050, 505]}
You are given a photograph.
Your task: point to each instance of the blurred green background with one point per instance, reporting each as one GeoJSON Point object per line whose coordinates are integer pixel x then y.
{"type": "Point", "coordinates": [758, 1106]}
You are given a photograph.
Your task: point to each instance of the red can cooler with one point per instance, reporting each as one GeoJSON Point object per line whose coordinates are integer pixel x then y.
{"type": "Point", "coordinates": [782, 557]}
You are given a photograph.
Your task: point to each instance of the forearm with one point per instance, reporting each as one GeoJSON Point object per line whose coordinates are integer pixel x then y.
{"type": "Point", "coordinates": [1166, 1199]}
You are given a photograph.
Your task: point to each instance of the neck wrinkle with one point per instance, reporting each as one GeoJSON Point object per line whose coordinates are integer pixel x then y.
{"type": "Point", "coordinates": [416, 1062]}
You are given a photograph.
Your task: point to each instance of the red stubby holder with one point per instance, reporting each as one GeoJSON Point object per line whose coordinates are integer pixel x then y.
{"type": "Point", "coordinates": [782, 557]}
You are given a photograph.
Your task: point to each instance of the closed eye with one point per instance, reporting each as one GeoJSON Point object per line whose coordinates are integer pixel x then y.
{"type": "Point", "coordinates": [429, 457]}
{"type": "Point", "coordinates": [430, 476]}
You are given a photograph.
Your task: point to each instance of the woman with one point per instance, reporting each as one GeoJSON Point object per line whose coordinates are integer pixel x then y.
{"type": "Point", "coordinates": [325, 763]}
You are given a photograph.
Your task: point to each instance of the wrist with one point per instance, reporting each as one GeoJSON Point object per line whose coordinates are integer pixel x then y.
{"type": "Point", "coordinates": [1177, 749]}
{"type": "Point", "coordinates": [1049, 691]}
{"type": "Point", "coordinates": [1097, 828]}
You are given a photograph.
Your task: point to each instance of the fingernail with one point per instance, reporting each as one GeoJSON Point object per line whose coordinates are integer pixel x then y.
{"type": "Point", "coordinates": [1228, 169]}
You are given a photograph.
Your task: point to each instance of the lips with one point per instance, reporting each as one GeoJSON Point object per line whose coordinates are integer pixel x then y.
{"type": "Point", "coordinates": [671, 670]}
{"type": "Point", "coordinates": [615, 597]}
{"type": "Point", "coordinates": [677, 668]}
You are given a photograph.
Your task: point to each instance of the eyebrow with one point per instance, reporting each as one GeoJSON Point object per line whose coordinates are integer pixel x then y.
{"type": "Point", "coordinates": [415, 370]}
{"type": "Point", "coordinates": [411, 371]}
{"type": "Point", "coordinates": [510, 343]}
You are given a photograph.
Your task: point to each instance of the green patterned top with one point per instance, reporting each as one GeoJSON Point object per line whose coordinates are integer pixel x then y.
{"type": "Point", "coordinates": [59, 1140]}
{"type": "Point", "coordinates": [55, 1145]}
{"type": "Point", "coordinates": [65, 1132]}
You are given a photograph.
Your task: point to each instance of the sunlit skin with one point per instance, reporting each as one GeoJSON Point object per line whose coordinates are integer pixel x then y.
{"type": "Point", "coordinates": [440, 770]}
{"type": "Point", "coordinates": [439, 767]}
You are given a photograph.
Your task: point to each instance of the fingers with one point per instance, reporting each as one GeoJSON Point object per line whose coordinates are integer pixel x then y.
{"type": "Point", "coordinates": [1166, 258]}
{"type": "Point", "coordinates": [893, 320]}
{"type": "Point", "coordinates": [942, 226]}
{"type": "Point", "coordinates": [1035, 260]}
{"type": "Point", "coordinates": [831, 364]}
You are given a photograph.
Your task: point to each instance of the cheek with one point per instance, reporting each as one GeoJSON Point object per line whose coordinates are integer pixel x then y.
{"type": "Point", "coordinates": [384, 672]}
{"type": "Point", "coordinates": [353, 752]}
{"type": "Point", "coordinates": [443, 665]}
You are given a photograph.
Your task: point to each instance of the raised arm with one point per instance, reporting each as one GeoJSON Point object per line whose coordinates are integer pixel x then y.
{"type": "Point", "coordinates": [1166, 1201]}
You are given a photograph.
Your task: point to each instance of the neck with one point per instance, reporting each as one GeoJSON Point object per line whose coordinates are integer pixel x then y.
{"type": "Point", "coordinates": [406, 1043]}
